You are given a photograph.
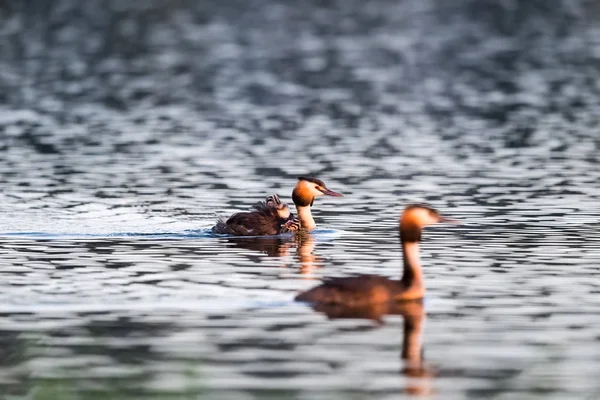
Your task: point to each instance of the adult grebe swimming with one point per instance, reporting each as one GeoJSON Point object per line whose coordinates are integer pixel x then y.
{"type": "Point", "coordinates": [270, 217]}
{"type": "Point", "coordinates": [273, 217]}
{"type": "Point", "coordinates": [304, 194]}
{"type": "Point", "coordinates": [367, 289]}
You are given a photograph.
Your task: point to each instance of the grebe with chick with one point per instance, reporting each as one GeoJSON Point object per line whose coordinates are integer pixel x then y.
{"type": "Point", "coordinates": [270, 217]}
{"type": "Point", "coordinates": [370, 289]}
{"type": "Point", "coordinates": [273, 217]}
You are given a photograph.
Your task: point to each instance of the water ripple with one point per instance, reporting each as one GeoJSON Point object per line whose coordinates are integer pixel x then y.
{"type": "Point", "coordinates": [127, 129]}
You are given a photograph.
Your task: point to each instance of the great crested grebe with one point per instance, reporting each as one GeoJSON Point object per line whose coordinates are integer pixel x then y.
{"type": "Point", "coordinates": [304, 195]}
{"type": "Point", "coordinates": [371, 289]}
{"type": "Point", "coordinates": [270, 217]}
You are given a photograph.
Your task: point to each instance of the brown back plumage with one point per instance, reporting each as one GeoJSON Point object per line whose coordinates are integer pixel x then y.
{"type": "Point", "coordinates": [353, 291]}
{"type": "Point", "coordinates": [264, 219]}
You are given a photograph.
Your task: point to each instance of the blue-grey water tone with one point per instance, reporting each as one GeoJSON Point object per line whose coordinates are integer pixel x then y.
{"type": "Point", "coordinates": [127, 127]}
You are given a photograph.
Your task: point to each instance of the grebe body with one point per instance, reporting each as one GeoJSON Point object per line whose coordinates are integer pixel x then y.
{"type": "Point", "coordinates": [270, 217]}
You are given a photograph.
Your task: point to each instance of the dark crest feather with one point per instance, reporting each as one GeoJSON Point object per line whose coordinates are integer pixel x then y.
{"type": "Point", "coordinates": [313, 180]}
{"type": "Point", "coordinates": [421, 205]}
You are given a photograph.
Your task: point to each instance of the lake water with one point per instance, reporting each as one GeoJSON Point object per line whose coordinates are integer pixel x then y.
{"type": "Point", "coordinates": [127, 128]}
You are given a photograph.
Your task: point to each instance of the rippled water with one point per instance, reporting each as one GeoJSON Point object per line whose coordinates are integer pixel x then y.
{"type": "Point", "coordinates": [126, 129]}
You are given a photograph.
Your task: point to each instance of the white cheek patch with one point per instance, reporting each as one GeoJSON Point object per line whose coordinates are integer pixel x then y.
{"type": "Point", "coordinates": [315, 192]}
{"type": "Point", "coordinates": [432, 219]}
{"type": "Point", "coordinates": [424, 217]}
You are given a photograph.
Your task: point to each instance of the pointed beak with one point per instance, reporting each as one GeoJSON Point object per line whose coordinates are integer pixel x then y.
{"type": "Point", "coordinates": [449, 220]}
{"type": "Point", "coordinates": [331, 193]}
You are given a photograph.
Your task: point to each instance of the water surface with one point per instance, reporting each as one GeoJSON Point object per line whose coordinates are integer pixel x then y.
{"type": "Point", "coordinates": [126, 129]}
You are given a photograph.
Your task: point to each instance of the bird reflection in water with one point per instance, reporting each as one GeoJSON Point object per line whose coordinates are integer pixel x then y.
{"type": "Point", "coordinates": [414, 367]}
{"type": "Point", "coordinates": [283, 246]}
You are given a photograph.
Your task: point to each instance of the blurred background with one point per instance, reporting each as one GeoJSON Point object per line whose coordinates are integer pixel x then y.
{"type": "Point", "coordinates": [127, 127]}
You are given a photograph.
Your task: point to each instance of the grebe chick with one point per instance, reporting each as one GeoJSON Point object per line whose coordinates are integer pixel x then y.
{"type": "Point", "coordinates": [304, 194]}
{"type": "Point", "coordinates": [289, 222]}
{"type": "Point", "coordinates": [282, 209]}
{"type": "Point", "coordinates": [366, 289]}
{"type": "Point", "coordinates": [270, 217]}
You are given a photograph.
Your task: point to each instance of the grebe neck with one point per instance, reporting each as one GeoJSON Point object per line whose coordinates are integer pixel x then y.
{"type": "Point", "coordinates": [306, 219]}
{"type": "Point", "coordinates": [412, 276]}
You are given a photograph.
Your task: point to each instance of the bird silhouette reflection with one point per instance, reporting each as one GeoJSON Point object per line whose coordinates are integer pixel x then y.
{"type": "Point", "coordinates": [300, 245]}
{"type": "Point", "coordinates": [414, 367]}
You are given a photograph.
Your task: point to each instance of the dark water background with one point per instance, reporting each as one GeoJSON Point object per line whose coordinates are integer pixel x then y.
{"type": "Point", "coordinates": [126, 127]}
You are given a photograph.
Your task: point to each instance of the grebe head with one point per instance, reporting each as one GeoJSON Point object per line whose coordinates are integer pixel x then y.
{"type": "Point", "coordinates": [308, 188]}
{"type": "Point", "coordinates": [417, 216]}
{"type": "Point", "coordinates": [283, 210]}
